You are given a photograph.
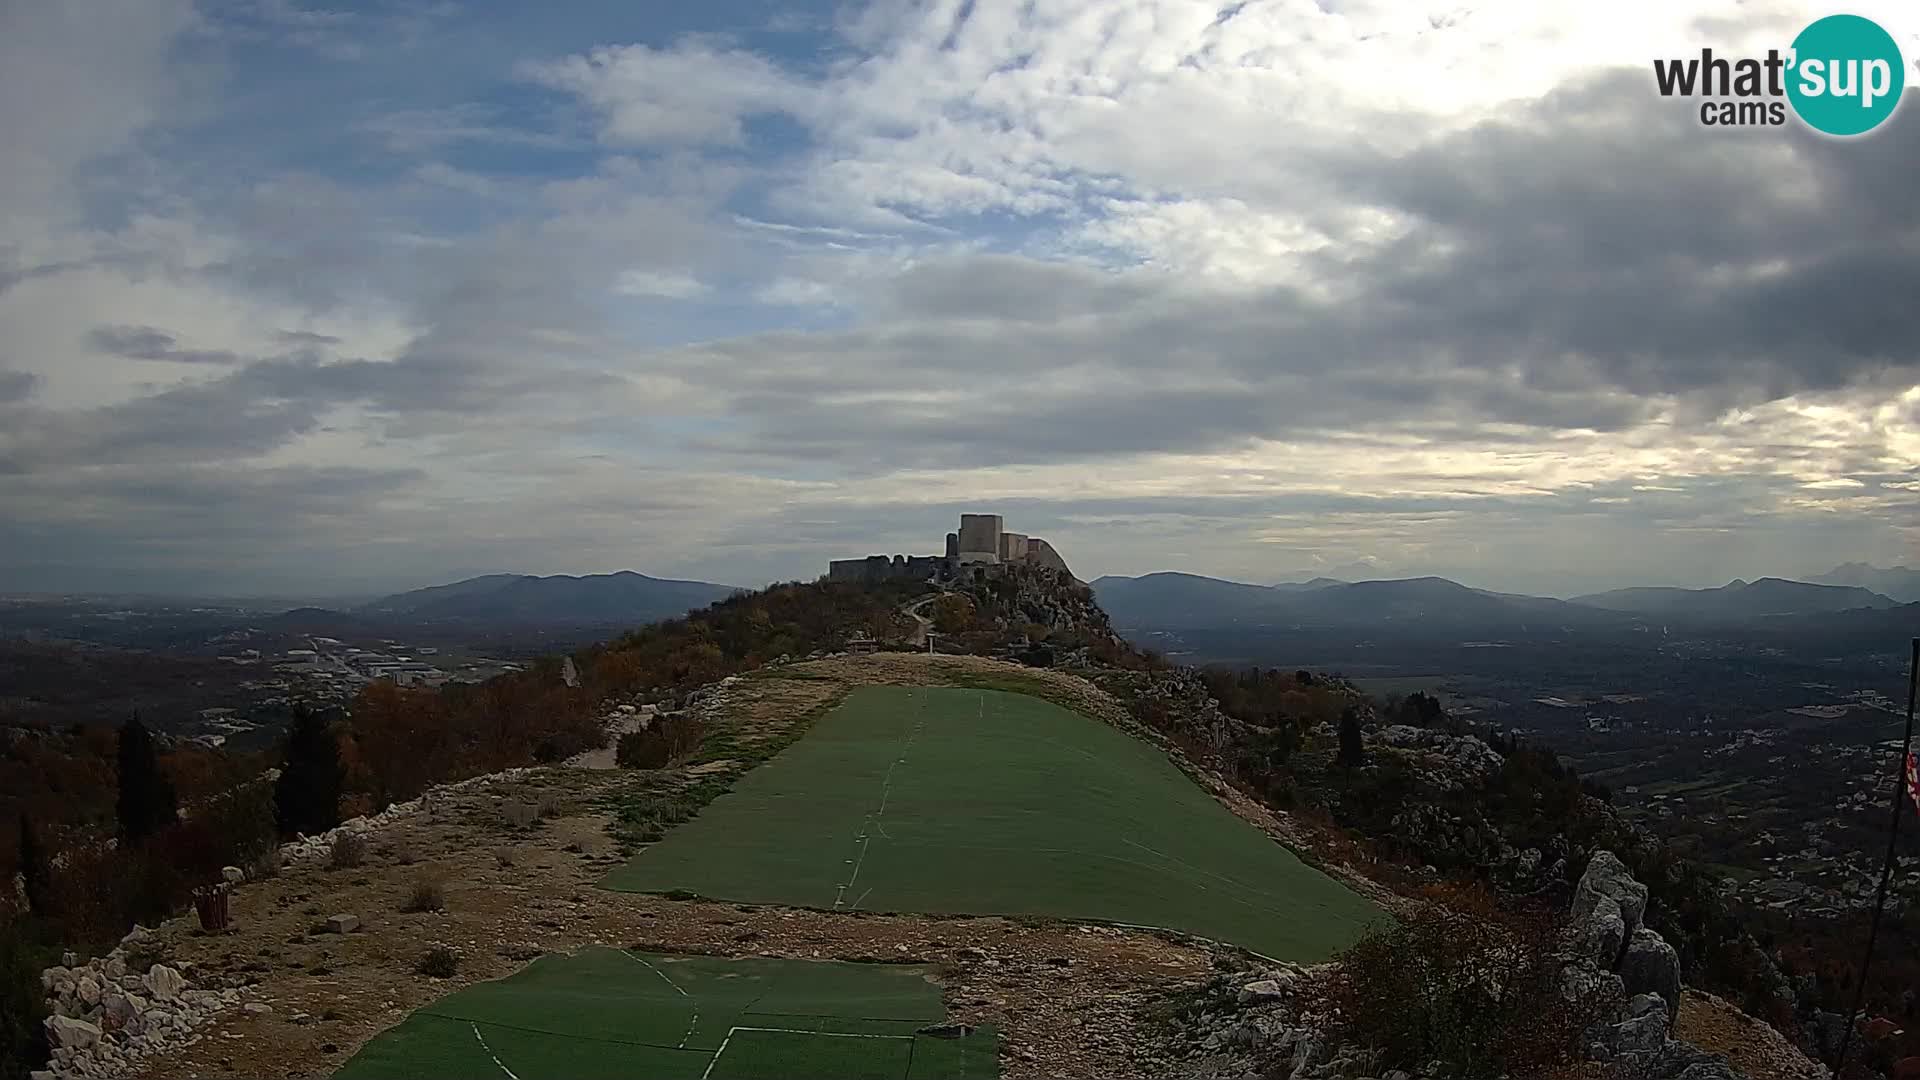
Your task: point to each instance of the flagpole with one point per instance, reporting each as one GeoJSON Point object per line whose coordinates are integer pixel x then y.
{"type": "Point", "coordinates": [1900, 796]}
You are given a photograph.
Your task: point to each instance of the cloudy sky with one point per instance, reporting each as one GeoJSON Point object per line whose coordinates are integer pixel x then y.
{"type": "Point", "coordinates": [308, 299]}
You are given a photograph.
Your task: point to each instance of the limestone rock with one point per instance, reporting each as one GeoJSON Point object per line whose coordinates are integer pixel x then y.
{"type": "Point", "coordinates": [88, 990]}
{"type": "Point", "coordinates": [1651, 966]}
{"type": "Point", "coordinates": [233, 874]}
{"type": "Point", "coordinates": [342, 923]}
{"type": "Point", "coordinates": [1601, 934]}
{"type": "Point", "coordinates": [164, 982]}
{"type": "Point", "coordinates": [65, 1031]}
{"type": "Point", "coordinates": [1261, 990]}
{"type": "Point", "coordinates": [1607, 878]}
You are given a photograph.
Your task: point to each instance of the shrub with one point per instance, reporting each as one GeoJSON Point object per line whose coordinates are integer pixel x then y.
{"type": "Point", "coordinates": [349, 850]}
{"type": "Point", "coordinates": [549, 806]}
{"type": "Point", "coordinates": [665, 742]}
{"type": "Point", "coordinates": [23, 1004]}
{"type": "Point", "coordinates": [405, 854]}
{"type": "Point", "coordinates": [426, 896]}
{"type": "Point", "coordinates": [521, 815]}
{"type": "Point", "coordinates": [439, 962]}
{"type": "Point", "coordinates": [1466, 984]}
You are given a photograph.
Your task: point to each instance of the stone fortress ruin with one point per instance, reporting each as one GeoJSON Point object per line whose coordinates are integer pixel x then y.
{"type": "Point", "coordinates": [980, 547]}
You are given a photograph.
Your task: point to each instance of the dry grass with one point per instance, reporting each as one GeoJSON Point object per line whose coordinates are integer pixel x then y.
{"type": "Point", "coordinates": [349, 851]}
{"type": "Point", "coordinates": [427, 895]}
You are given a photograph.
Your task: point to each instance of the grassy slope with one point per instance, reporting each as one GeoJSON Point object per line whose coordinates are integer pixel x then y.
{"type": "Point", "coordinates": [607, 1013]}
{"type": "Point", "coordinates": [968, 801]}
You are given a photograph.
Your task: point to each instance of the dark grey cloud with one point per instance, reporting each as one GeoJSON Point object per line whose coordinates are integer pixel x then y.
{"type": "Point", "coordinates": [148, 343]}
{"type": "Point", "coordinates": [17, 386]}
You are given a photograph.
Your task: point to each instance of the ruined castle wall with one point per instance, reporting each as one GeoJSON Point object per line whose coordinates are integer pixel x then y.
{"type": "Point", "coordinates": [1041, 553]}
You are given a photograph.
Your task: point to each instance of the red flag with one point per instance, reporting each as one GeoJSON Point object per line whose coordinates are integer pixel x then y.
{"type": "Point", "coordinates": [1913, 781]}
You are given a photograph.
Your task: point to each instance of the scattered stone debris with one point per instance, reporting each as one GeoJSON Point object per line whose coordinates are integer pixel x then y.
{"type": "Point", "coordinates": [107, 1019]}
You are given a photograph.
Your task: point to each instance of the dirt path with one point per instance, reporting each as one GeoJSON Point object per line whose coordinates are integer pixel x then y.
{"type": "Point", "coordinates": [921, 623]}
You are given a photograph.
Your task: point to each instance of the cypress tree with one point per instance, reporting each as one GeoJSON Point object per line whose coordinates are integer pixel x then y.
{"type": "Point", "coordinates": [34, 869]}
{"type": "Point", "coordinates": [306, 797]}
{"type": "Point", "coordinates": [146, 803]}
{"type": "Point", "coordinates": [1352, 749]}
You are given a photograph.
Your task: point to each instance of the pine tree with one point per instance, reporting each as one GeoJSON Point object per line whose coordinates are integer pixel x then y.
{"type": "Point", "coordinates": [34, 870]}
{"type": "Point", "coordinates": [146, 804]}
{"type": "Point", "coordinates": [1352, 750]}
{"type": "Point", "coordinates": [306, 797]}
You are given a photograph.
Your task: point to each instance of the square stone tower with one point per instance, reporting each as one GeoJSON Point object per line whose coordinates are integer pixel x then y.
{"type": "Point", "coordinates": [980, 538]}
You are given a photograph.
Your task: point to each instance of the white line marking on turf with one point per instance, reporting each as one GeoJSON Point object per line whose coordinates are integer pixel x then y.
{"type": "Point", "coordinates": [490, 1053]}
{"type": "Point", "coordinates": [695, 1022]}
{"type": "Point", "coordinates": [787, 1031]}
{"type": "Point", "coordinates": [875, 819]}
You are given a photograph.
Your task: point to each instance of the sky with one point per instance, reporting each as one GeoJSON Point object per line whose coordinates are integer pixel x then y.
{"type": "Point", "coordinates": [305, 299]}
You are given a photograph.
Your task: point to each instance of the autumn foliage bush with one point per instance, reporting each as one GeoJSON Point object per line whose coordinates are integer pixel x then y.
{"type": "Point", "coordinates": [1465, 983]}
{"type": "Point", "coordinates": [667, 741]}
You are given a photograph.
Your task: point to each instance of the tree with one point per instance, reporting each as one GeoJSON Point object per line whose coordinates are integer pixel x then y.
{"type": "Point", "coordinates": [953, 614]}
{"type": "Point", "coordinates": [306, 797]}
{"type": "Point", "coordinates": [147, 803]}
{"type": "Point", "coordinates": [23, 1002]}
{"type": "Point", "coordinates": [34, 868]}
{"type": "Point", "coordinates": [1352, 750]}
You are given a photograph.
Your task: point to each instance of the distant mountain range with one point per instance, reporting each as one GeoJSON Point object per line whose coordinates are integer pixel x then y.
{"type": "Point", "coordinates": [1740, 599]}
{"type": "Point", "coordinates": [1900, 582]}
{"type": "Point", "coordinates": [622, 598]}
{"type": "Point", "coordinates": [1176, 601]}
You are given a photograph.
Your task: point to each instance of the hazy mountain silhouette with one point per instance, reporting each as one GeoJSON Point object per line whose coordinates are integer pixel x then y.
{"type": "Point", "coordinates": [624, 597]}
{"type": "Point", "coordinates": [1739, 600]}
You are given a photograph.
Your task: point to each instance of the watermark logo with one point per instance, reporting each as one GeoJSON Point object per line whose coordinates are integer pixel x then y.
{"type": "Point", "coordinates": [1842, 76]}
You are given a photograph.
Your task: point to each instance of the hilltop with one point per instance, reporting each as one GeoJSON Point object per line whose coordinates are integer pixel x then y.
{"type": "Point", "coordinates": [1429, 804]}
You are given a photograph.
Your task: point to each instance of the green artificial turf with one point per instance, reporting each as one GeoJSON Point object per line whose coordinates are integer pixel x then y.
{"type": "Point", "coordinates": [614, 1014]}
{"type": "Point", "coordinates": [945, 800]}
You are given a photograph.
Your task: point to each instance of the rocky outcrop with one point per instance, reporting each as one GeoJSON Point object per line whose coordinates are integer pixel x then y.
{"type": "Point", "coordinates": [1651, 966]}
{"type": "Point", "coordinates": [1612, 954]}
{"type": "Point", "coordinates": [1608, 905]}
{"type": "Point", "coordinates": [1260, 1022]}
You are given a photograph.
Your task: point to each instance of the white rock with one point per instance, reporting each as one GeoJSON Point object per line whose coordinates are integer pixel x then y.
{"type": "Point", "coordinates": [233, 874]}
{"type": "Point", "coordinates": [258, 1008]}
{"type": "Point", "coordinates": [115, 967]}
{"type": "Point", "coordinates": [88, 990]}
{"type": "Point", "coordinates": [65, 1031]}
{"type": "Point", "coordinates": [165, 982]}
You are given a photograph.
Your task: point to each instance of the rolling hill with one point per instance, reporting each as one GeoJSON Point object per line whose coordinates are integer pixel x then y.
{"type": "Point", "coordinates": [621, 598]}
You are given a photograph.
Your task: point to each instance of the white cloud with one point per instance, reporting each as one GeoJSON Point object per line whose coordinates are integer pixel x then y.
{"type": "Point", "coordinates": [690, 94]}
{"type": "Point", "coordinates": [664, 284]}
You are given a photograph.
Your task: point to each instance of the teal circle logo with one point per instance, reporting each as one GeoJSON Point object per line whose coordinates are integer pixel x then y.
{"type": "Point", "coordinates": [1847, 75]}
